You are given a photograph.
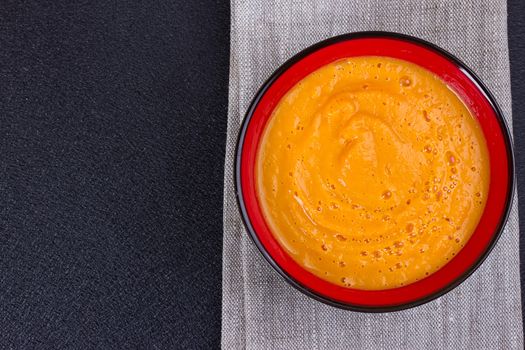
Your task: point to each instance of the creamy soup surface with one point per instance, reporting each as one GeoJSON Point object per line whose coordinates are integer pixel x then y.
{"type": "Point", "coordinates": [371, 173]}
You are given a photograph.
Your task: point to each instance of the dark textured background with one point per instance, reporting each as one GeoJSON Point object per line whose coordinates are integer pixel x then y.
{"type": "Point", "coordinates": [112, 133]}
{"type": "Point", "coordinates": [112, 136]}
{"type": "Point", "coordinates": [516, 32]}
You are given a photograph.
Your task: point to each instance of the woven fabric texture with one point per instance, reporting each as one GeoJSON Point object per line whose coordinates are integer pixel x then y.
{"type": "Point", "coordinates": [260, 310]}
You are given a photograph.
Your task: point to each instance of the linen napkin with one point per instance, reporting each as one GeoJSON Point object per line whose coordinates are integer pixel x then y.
{"type": "Point", "coordinates": [260, 310]}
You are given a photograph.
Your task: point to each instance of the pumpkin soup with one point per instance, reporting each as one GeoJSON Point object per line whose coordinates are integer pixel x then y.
{"type": "Point", "coordinates": [371, 173]}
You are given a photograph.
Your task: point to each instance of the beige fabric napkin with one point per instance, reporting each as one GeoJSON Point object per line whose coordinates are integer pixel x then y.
{"type": "Point", "coordinates": [260, 310]}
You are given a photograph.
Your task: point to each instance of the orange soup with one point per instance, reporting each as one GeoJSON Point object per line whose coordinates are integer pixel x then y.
{"type": "Point", "coordinates": [371, 173]}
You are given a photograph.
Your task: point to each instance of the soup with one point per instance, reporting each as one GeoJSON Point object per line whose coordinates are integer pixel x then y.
{"type": "Point", "coordinates": [371, 173]}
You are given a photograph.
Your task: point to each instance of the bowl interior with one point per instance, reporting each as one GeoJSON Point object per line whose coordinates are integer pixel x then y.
{"type": "Point", "coordinates": [474, 95]}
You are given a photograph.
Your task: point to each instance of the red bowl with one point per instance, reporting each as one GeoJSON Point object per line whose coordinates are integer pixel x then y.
{"type": "Point", "coordinates": [474, 94]}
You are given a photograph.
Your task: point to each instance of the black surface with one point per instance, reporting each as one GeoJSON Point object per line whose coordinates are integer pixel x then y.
{"type": "Point", "coordinates": [516, 33]}
{"type": "Point", "coordinates": [112, 136]}
{"type": "Point", "coordinates": [112, 131]}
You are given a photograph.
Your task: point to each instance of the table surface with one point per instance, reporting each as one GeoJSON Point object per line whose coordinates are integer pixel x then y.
{"type": "Point", "coordinates": [112, 143]}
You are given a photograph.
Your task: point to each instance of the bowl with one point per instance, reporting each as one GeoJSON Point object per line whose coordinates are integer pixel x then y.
{"type": "Point", "coordinates": [475, 96]}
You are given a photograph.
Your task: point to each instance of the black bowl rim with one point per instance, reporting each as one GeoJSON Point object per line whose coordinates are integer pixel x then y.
{"type": "Point", "coordinates": [465, 70]}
